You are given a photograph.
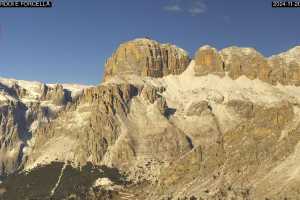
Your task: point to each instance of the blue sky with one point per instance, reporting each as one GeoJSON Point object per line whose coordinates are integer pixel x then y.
{"type": "Point", "coordinates": [71, 41]}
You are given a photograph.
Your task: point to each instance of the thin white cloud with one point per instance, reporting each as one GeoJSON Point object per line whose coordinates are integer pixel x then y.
{"type": "Point", "coordinates": [192, 7]}
{"type": "Point", "coordinates": [198, 7]}
{"type": "Point", "coordinates": [196, 11]}
{"type": "Point", "coordinates": [173, 8]}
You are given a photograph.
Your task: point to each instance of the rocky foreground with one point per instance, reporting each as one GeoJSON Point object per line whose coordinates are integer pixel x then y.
{"type": "Point", "coordinates": [223, 125]}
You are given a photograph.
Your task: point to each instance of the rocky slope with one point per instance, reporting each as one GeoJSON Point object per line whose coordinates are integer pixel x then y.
{"type": "Point", "coordinates": [222, 126]}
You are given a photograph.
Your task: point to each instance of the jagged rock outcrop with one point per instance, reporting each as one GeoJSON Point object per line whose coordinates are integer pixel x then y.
{"type": "Point", "coordinates": [14, 90]}
{"type": "Point", "coordinates": [153, 94]}
{"type": "Point", "coordinates": [57, 94]}
{"type": "Point", "coordinates": [145, 57]}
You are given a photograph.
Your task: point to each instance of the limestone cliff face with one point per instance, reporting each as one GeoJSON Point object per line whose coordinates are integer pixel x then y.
{"type": "Point", "coordinates": [286, 67]}
{"type": "Point", "coordinates": [282, 68]}
{"type": "Point", "coordinates": [245, 61]}
{"type": "Point", "coordinates": [208, 60]}
{"type": "Point", "coordinates": [146, 57]}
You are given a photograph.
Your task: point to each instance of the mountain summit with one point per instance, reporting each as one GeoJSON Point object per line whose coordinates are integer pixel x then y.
{"type": "Point", "coordinates": [146, 57]}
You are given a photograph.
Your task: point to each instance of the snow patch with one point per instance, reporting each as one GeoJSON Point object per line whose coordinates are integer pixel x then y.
{"type": "Point", "coordinates": [58, 180]}
{"type": "Point", "coordinates": [205, 47]}
{"type": "Point", "coordinates": [103, 182]}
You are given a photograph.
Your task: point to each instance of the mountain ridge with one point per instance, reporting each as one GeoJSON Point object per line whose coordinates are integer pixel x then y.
{"type": "Point", "coordinates": [282, 68]}
{"type": "Point", "coordinates": [217, 128]}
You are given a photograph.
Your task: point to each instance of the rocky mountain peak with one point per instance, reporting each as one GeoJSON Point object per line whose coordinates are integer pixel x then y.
{"type": "Point", "coordinates": [146, 57]}
{"type": "Point", "coordinates": [236, 61]}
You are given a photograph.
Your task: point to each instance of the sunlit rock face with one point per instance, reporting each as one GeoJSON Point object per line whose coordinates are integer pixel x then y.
{"type": "Point", "coordinates": [283, 68]}
{"type": "Point", "coordinates": [286, 67]}
{"type": "Point", "coordinates": [146, 57]}
{"type": "Point", "coordinates": [245, 61]}
{"type": "Point", "coordinates": [208, 61]}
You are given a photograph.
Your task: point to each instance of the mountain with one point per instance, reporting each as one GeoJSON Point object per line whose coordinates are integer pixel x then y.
{"type": "Point", "coordinates": [147, 58]}
{"type": "Point", "coordinates": [223, 125]}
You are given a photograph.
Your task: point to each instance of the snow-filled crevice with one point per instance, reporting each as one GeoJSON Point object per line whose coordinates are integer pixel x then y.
{"type": "Point", "coordinates": [59, 179]}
